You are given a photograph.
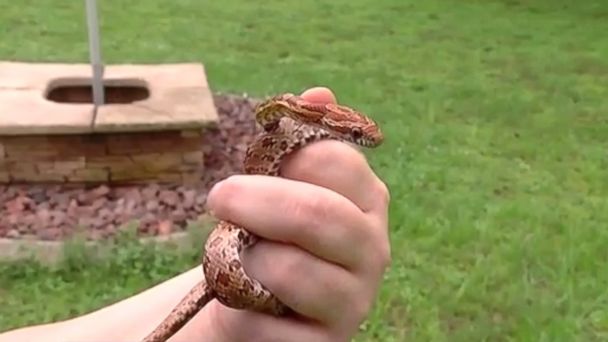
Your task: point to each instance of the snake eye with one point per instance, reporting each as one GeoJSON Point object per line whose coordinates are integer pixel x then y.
{"type": "Point", "coordinates": [356, 133]}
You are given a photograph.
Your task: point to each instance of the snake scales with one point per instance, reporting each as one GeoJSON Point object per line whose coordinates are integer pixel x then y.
{"type": "Point", "coordinates": [289, 122]}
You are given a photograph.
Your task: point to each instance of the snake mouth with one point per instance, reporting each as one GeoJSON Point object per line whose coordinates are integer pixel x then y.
{"type": "Point", "coordinates": [364, 143]}
{"type": "Point", "coordinates": [369, 142]}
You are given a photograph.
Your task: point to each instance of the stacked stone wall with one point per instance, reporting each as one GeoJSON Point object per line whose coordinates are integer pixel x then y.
{"type": "Point", "coordinates": [115, 158]}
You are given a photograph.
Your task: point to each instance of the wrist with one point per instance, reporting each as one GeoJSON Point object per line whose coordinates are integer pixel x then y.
{"type": "Point", "coordinates": [128, 320]}
{"type": "Point", "coordinates": [133, 318]}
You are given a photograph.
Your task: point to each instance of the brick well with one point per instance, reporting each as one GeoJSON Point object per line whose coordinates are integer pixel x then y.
{"type": "Point", "coordinates": [149, 128]}
{"type": "Point", "coordinates": [163, 156]}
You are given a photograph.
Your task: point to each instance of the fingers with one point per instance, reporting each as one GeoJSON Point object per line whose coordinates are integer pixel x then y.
{"type": "Point", "coordinates": [325, 224]}
{"type": "Point", "coordinates": [337, 203]}
{"type": "Point", "coordinates": [312, 164]}
{"type": "Point", "coordinates": [336, 166]}
{"type": "Point", "coordinates": [316, 219]}
{"type": "Point", "coordinates": [255, 327]}
{"type": "Point", "coordinates": [341, 168]}
{"type": "Point", "coordinates": [324, 290]}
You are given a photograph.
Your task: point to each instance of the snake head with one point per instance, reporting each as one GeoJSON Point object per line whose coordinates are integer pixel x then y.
{"type": "Point", "coordinates": [341, 121]}
{"type": "Point", "coordinates": [351, 125]}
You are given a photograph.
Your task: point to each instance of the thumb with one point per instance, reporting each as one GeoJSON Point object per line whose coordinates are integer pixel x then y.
{"type": "Point", "coordinates": [319, 94]}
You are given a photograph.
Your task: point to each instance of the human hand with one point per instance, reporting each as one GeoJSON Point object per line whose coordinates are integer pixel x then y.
{"type": "Point", "coordinates": [326, 242]}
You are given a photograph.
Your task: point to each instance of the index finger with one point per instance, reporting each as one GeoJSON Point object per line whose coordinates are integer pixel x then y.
{"type": "Point", "coordinates": [337, 166]}
{"type": "Point", "coordinates": [342, 169]}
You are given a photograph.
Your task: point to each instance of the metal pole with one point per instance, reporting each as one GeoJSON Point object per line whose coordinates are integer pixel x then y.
{"type": "Point", "coordinates": [95, 55]}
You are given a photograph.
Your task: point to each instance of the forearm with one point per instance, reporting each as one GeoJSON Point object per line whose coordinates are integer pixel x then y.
{"type": "Point", "coordinates": [128, 320]}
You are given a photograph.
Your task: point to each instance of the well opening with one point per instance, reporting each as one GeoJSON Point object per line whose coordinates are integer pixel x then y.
{"type": "Point", "coordinates": [80, 90]}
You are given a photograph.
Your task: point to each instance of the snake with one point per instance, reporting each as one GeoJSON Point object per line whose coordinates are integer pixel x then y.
{"type": "Point", "coordinates": [289, 122]}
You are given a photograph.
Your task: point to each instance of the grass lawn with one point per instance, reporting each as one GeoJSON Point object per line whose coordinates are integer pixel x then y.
{"type": "Point", "coordinates": [496, 114]}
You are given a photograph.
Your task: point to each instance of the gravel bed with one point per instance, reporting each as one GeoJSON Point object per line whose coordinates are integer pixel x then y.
{"type": "Point", "coordinates": [54, 212]}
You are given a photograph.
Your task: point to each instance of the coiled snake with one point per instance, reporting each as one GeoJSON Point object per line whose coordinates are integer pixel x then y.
{"type": "Point", "coordinates": [289, 122]}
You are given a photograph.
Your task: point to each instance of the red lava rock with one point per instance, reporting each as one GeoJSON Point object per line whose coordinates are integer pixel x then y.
{"type": "Point", "coordinates": [130, 207]}
{"type": "Point", "coordinates": [43, 217]}
{"type": "Point", "coordinates": [179, 215]}
{"type": "Point", "coordinates": [98, 203]}
{"type": "Point", "coordinates": [168, 197]}
{"type": "Point", "coordinates": [29, 220]}
{"type": "Point", "coordinates": [133, 194]}
{"type": "Point", "coordinates": [12, 233]}
{"type": "Point", "coordinates": [152, 205]}
{"type": "Point", "coordinates": [38, 194]}
{"type": "Point", "coordinates": [86, 221]}
{"type": "Point", "coordinates": [55, 211]}
{"type": "Point", "coordinates": [88, 197]}
{"type": "Point", "coordinates": [58, 218]}
{"type": "Point", "coordinates": [96, 222]}
{"type": "Point", "coordinates": [105, 214]}
{"type": "Point", "coordinates": [18, 204]}
{"type": "Point", "coordinates": [100, 191]}
{"type": "Point", "coordinates": [84, 198]}
{"type": "Point", "coordinates": [119, 211]}
{"type": "Point", "coordinates": [72, 210]}
{"type": "Point", "coordinates": [165, 227]}
{"type": "Point", "coordinates": [60, 199]}
{"type": "Point", "coordinates": [52, 233]}
{"type": "Point", "coordinates": [44, 205]}
{"type": "Point", "coordinates": [150, 192]}
{"type": "Point", "coordinates": [23, 229]}
{"type": "Point", "coordinates": [148, 219]}
{"type": "Point", "coordinates": [200, 201]}
{"type": "Point", "coordinates": [189, 199]}
{"type": "Point", "coordinates": [85, 212]}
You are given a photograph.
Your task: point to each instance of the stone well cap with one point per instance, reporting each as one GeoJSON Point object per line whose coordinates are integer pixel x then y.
{"type": "Point", "coordinates": [179, 98]}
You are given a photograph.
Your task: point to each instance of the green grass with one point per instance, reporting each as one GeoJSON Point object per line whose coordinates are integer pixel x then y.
{"type": "Point", "coordinates": [496, 158]}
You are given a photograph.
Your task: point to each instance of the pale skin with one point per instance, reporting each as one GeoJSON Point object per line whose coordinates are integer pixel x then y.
{"type": "Point", "coordinates": [326, 250]}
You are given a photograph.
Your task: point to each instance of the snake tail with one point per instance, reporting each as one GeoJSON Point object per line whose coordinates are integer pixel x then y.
{"type": "Point", "coordinates": [183, 312]}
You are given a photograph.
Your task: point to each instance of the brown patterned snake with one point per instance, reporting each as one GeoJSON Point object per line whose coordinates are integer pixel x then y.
{"type": "Point", "coordinates": [289, 122]}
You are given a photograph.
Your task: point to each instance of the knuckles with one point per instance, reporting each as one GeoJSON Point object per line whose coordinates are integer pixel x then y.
{"type": "Point", "coordinates": [316, 211]}
{"type": "Point", "coordinates": [382, 193]}
{"type": "Point", "coordinates": [384, 255]}
{"type": "Point", "coordinates": [313, 159]}
{"type": "Point", "coordinates": [280, 275]}
{"type": "Point", "coordinates": [223, 196]}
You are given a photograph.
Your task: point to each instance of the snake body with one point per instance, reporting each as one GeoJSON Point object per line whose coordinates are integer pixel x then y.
{"type": "Point", "coordinates": [289, 122]}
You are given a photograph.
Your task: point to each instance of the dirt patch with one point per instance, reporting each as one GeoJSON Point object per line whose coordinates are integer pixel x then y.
{"type": "Point", "coordinates": [54, 212]}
